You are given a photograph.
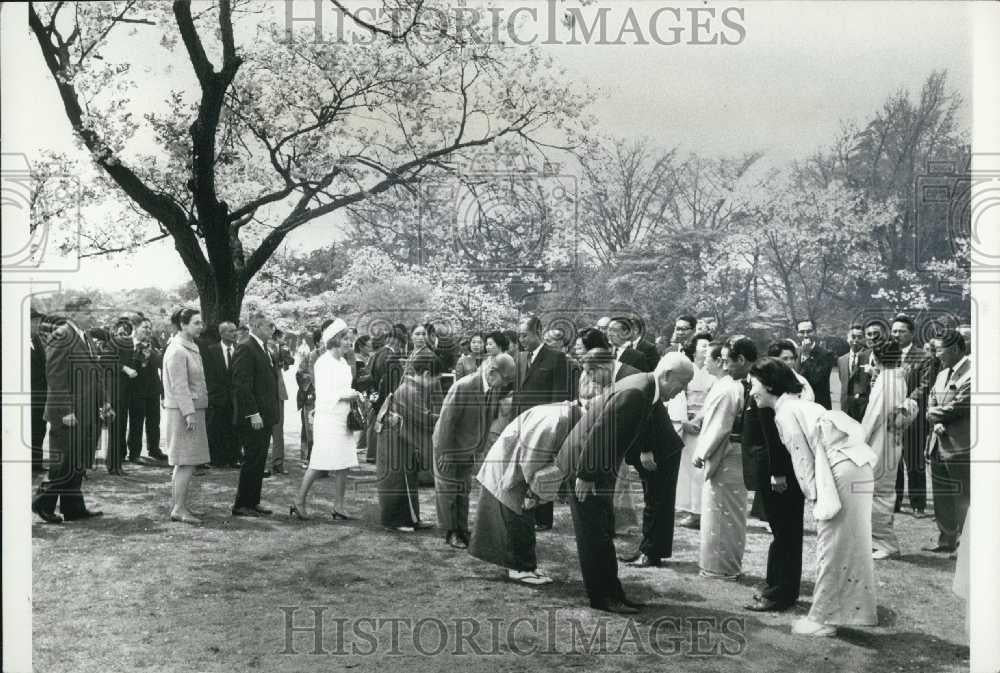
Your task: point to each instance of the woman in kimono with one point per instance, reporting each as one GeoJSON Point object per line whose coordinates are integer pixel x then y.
{"type": "Point", "coordinates": [888, 413]}
{"type": "Point", "coordinates": [471, 361]}
{"type": "Point", "coordinates": [404, 428]}
{"type": "Point", "coordinates": [334, 444]}
{"type": "Point", "coordinates": [689, 480]}
{"type": "Point", "coordinates": [830, 459]}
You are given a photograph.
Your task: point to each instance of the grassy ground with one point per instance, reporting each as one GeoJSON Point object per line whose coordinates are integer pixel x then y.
{"type": "Point", "coordinates": [133, 591]}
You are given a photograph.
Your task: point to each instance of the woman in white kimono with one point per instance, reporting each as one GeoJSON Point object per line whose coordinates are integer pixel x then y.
{"type": "Point", "coordinates": [690, 480]}
{"type": "Point", "coordinates": [334, 446]}
{"type": "Point", "coordinates": [719, 452]}
{"type": "Point", "coordinates": [889, 412]}
{"type": "Point", "coordinates": [830, 458]}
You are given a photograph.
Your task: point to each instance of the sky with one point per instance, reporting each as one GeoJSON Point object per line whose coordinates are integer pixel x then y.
{"type": "Point", "coordinates": [798, 71]}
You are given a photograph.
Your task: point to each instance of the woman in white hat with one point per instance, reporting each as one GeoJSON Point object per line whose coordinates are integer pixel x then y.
{"type": "Point", "coordinates": [334, 446]}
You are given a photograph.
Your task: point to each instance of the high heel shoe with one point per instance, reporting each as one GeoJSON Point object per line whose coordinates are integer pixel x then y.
{"type": "Point", "coordinates": [294, 511]}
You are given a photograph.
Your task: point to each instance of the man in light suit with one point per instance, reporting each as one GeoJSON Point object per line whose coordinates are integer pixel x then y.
{"type": "Point", "coordinates": [255, 385]}
{"type": "Point", "coordinates": [76, 397]}
{"type": "Point", "coordinates": [949, 445]}
{"type": "Point", "coordinates": [855, 383]}
{"type": "Point", "coordinates": [458, 439]}
{"type": "Point", "coordinates": [627, 423]}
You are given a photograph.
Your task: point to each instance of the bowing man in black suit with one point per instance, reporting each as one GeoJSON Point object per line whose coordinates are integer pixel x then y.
{"type": "Point", "coordinates": [218, 358]}
{"type": "Point", "coordinates": [255, 384]}
{"type": "Point", "coordinates": [76, 397]}
{"type": "Point", "coordinates": [627, 423]}
{"type": "Point", "coordinates": [543, 376]}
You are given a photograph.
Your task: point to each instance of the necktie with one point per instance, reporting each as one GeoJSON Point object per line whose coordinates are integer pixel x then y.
{"type": "Point", "coordinates": [854, 364]}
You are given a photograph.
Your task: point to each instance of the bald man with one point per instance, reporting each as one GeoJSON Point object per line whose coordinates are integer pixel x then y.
{"type": "Point", "coordinates": [458, 440]}
{"type": "Point", "coordinates": [628, 423]}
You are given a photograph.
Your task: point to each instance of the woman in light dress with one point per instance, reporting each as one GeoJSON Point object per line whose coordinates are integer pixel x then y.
{"type": "Point", "coordinates": [830, 458]}
{"type": "Point", "coordinates": [690, 480]}
{"type": "Point", "coordinates": [185, 398]}
{"type": "Point", "coordinates": [334, 446]}
{"type": "Point", "coordinates": [888, 414]}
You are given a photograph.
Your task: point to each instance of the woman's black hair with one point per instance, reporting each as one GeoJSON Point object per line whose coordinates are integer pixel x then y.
{"type": "Point", "coordinates": [361, 342]}
{"type": "Point", "coordinates": [780, 346]}
{"type": "Point", "coordinates": [500, 339]}
{"type": "Point", "coordinates": [692, 344]}
{"type": "Point", "coordinates": [182, 316]}
{"type": "Point", "coordinates": [888, 353]}
{"type": "Point", "coordinates": [775, 375]}
{"type": "Point", "coordinates": [592, 338]}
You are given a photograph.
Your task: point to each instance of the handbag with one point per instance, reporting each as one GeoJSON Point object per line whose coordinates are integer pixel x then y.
{"type": "Point", "coordinates": [357, 418]}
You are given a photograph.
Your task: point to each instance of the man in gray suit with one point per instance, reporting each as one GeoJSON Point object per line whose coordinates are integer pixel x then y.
{"type": "Point", "coordinates": [949, 444]}
{"type": "Point", "coordinates": [458, 438]}
{"type": "Point", "coordinates": [855, 383]}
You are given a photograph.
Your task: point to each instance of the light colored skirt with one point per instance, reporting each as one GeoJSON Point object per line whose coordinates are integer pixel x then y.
{"type": "Point", "coordinates": [845, 572]}
{"type": "Point", "coordinates": [186, 447]}
{"type": "Point", "coordinates": [889, 450]}
{"type": "Point", "coordinates": [689, 479]}
{"type": "Point", "coordinates": [334, 446]}
{"type": "Point", "coordinates": [724, 517]}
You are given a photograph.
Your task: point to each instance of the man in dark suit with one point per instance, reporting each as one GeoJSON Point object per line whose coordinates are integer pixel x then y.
{"type": "Point", "coordinates": [386, 374]}
{"type": "Point", "coordinates": [147, 390]}
{"type": "Point", "coordinates": [38, 389]}
{"type": "Point", "coordinates": [644, 347]}
{"type": "Point", "coordinates": [921, 371]}
{"type": "Point", "coordinates": [620, 336]}
{"type": "Point", "coordinates": [223, 445]}
{"type": "Point", "coordinates": [543, 376]}
{"type": "Point", "coordinates": [815, 363]}
{"type": "Point", "coordinates": [74, 402]}
{"type": "Point", "coordinates": [767, 470]}
{"type": "Point", "coordinates": [950, 443]}
{"type": "Point", "coordinates": [118, 389]}
{"type": "Point", "coordinates": [855, 384]}
{"type": "Point", "coordinates": [627, 423]}
{"type": "Point", "coordinates": [255, 387]}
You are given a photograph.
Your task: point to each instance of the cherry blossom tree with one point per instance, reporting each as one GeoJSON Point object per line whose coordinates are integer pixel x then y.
{"type": "Point", "coordinates": [273, 128]}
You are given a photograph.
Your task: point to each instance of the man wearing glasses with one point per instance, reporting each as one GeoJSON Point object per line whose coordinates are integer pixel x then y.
{"type": "Point", "coordinates": [815, 362]}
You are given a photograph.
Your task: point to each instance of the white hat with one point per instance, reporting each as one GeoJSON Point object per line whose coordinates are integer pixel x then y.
{"type": "Point", "coordinates": [335, 328]}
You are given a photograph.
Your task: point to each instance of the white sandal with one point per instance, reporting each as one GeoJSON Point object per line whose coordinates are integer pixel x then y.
{"type": "Point", "coordinates": [807, 627]}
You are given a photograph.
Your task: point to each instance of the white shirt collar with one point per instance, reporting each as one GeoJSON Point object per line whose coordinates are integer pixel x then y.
{"type": "Point", "coordinates": [635, 343]}
{"type": "Point", "coordinates": [534, 353]}
{"type": "Point", "coordinates": [906, 351]}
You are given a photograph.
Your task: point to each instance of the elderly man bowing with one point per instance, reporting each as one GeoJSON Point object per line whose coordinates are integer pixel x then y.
{"type": "Point", "coordinates": [627, 423]}
{"type": "Point", "coordinates": [458, 437]}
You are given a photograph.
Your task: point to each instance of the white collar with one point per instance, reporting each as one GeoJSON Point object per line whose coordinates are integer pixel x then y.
{"type": "Point", "coordinates": [906, 351]}
{"type": "Point", "coordinates": [958, 365]}
{"type": "Point", "coordinates": [656, 385]}
{"type": "Point", "coordinates": [635, 343]}
{"type": "Point", "coordinates": [534, 353]}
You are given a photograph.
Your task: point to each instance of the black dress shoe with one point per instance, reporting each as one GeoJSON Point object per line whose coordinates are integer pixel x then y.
{"type": "Point", "coordinates": [47, 517]}
{"type": "Point", "coordinates": [939, 549]}
{"type": "Point", "coordinates": [629, 557]}
{"type": "Point", "coordinates": [83, 514]}
{"type": "Point", "coordinates": [631, 603]}
{"type": "Point", "coordinates": [617, 607]}
{"type": "Point", "coordinates": [263, 511]}
{"type": "Point", "coordinates": [279, 470]}
{"type": "Point", "coordinates": [644, 561]}
{"type": "Point", "coordinates": [246, 511]}
{"type": "Point", "coordinates": [543, 526]}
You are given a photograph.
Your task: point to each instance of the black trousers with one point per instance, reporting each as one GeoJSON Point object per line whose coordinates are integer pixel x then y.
{"type": "Point", "coordinates": [38, 428]}
{"type": "Point", "coordinates": [950, 481]}
{"type": "Point", "coordinates": [593, 523]}
{"type": "Point", "coordinates": [544, 514]}
{"type": "Point", "coordinates": [223, 439]}
{"type": "Point", "coordinates": [255, 445]}
{"type": "Point", "coordinates": [71, 451]}
{"type": "Point", "coordinates": [784, 556]}
{"type": "Point", "coordinates": [117, 438]}
{"type": "Point", "coordinates": [144, 412]}
{"type": "Point", "coordinates": [659, 494]}
{"type": "Point", "coordinates": [912, 462]}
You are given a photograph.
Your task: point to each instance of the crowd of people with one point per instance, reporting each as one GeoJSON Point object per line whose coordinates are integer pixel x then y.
{"type": "Point", "coordinates": [541, 418]}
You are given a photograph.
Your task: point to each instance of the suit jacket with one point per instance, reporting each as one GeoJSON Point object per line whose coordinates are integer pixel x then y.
{"type": "Point", "coordinates": [255, 384]}
{"type": "Point", "coordinates": [633, 358]}
{"type": "Point", "coordinates": [148, 361]}
{"type": "Point", "coordinates": [73, 376]}
{"type": "Point", "coordinates": [649, 355]}
{"type": "Point", "coordinates": [948, 404]}
{"type": "Point", "coordinates": [386, 369]}
{"type": "Point", "coordinates": [38, 383]}
{"type": "Point", "coordinates": [816, 370]}
{"type": "Point", "coordinates": [618, 425]}
{"type": "Point", "coordinates": [218, 375]}
{"type": "Point", "coordinates": [764, 456]}
{"type": "Point", "coordinates": [545, 380]}
{"type": "Point", "coordinates": [462, 426]}
{"type": "Point", "coordinates": [626, 370]}
{"type": "Point", "coordinates": [854, 387]}
{"type": "Point", "coordinates": [281, 357]}
{"type": "Point", "coordinates": [921, 373]}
